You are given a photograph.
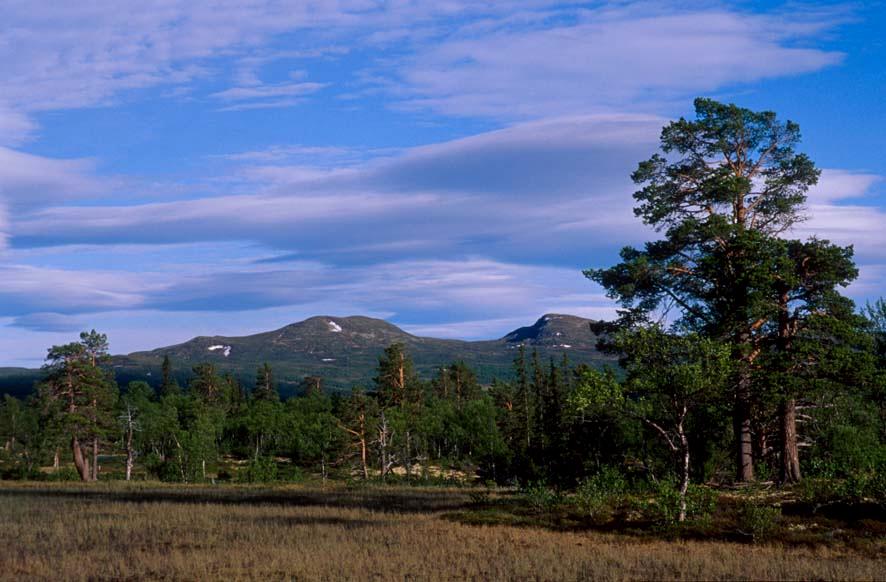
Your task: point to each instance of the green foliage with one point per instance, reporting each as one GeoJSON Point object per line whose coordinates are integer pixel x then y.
{"type": "Point", "coordinates": [854, 488]}
{"type": "Point", "coordinates": [596, 390]}
{"type": "Point", "coordinates": [847, 437]}
{"type": "Point", "coordinates": [63, 474]}
{"type": "Point", "coordinates": [724, 189]}
{"type": "Point", "coordinates": [597, 493]}
{"type": "Point", "coordinates": [665, 507]}
{"type": "Point", "coordinates": [258, 470]}
{"type": "Point", "coordinates": [397, 382]}
{"type": "Point", "coordinates": [759, 522]}
{"type": "Point", "coordinates": [265, 388]}
{"type": "Point", "coordinates": [540, 498]}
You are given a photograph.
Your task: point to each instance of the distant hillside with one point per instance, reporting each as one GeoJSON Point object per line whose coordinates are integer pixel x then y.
{"type": "Point", "coordinates": [18, 382]}
{"type": "Point", "coordinates": [345, 350]}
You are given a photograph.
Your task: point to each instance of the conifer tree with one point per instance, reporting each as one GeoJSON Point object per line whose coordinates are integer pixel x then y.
{"type": "Point", "coordinates": [812, 336]}
{"type": "Point", "coordinates": [78, 397]}
{"type": "Point", "coordinates": [168, 383]}
{"type": "Point", "coordinates": [396, 381]}
{"type": "Point", "coordinates": [265, 389]}
{"type": "Point", "coordinates": [728, 181]}
{"type": "Point", "coordinates": [524, 399]}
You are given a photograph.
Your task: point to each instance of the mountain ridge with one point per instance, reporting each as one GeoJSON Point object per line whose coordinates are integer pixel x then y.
{"type": "Point", "coordinates": [344, 351]}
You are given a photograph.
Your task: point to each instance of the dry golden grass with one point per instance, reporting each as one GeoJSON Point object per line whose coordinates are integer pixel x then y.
{"type": "Point", "coordinates": [115, 531]}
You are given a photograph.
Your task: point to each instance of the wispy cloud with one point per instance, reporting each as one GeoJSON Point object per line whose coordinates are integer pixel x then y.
{"type": "Point", "coordinates": [267, 91]}
{"type": "Point", "coordinates": [49, 322]}
{"type": "Point", "coordinates": [504, 193]}
{"type": "Point", "coordinates": [15, 126]}
{"type": "Point", "coordinates": [647, 55]}
{"type": "Point", "coordinates": [29, 181]}
{"type": "Point", "coordinates": [498, 292]}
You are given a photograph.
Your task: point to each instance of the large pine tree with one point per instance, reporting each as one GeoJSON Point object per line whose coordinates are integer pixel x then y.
{"type": "Point", "coordinates": [727, 182]}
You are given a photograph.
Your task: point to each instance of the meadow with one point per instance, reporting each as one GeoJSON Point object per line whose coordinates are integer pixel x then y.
{"type": "Point", "coordinates": [145, 530]}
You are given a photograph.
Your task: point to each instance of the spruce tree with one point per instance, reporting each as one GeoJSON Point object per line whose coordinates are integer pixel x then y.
{"type": "Point", "coordinates": [265, 389]}
{"type": "Point", "coordinates": [168, 383]}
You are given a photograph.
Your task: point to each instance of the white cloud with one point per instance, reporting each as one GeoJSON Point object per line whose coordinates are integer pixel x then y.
{"type": "Point", "coordinates": [48, 322]}
{"type": "Point", "coordinates": [636, 54]}
{"type": "Point", "coordinates": [835, 185]}
{"type": "Point", "coordinates": [63, 55]}
{"type": "Point", "coordinates": [15, 127]}
{"type": "Point", "coordinates": [264, 95]}
{"type": "Point", "coordinates": [27, 289]}
{"type": "Point", "coordinates": [4, 228]}
{"type": "Point", "coordinates": [858, 224]}
{"type": "Point", "coordinates": [525, 189]}
{"type": "Point", "coordinates": [29, 181]}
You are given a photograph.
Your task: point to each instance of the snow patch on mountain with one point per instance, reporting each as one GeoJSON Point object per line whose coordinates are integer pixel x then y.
{"type": "Point", "coordinates": [226, 350]}
{"type": "Point", "coordinates": [334, 327]}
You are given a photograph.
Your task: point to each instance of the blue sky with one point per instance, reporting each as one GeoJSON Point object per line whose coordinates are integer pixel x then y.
{"type": "Point", "coordinates": [173, 168]}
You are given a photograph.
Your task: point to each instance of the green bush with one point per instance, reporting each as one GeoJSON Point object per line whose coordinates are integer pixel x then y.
{"type": "Point", "coordinates": [856, 487]}
{"type": "Point", "coordinates": [291, 474]}
{"type": "Point", "coordinates": [259, 470]}
{"type": "Point", "coordinates": [759, 522]}
{"type": "Point", "coordinates": [540, 497]}
{"type": "Point", "coordinates": [166, 470]}
{"type": "Point", "coordinates": [597, 493]}
{"type": "Point", "coordinates": [665, 510]}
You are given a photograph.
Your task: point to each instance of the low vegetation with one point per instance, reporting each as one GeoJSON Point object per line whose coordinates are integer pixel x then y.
{"type": "Point", "coordinates": [137, 531]}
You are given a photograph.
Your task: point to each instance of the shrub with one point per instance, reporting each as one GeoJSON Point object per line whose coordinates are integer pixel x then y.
{"type": "Point", "coordinates": [597, 493]}
{"type": "Point", "coordinates": [540, 497]}
{"type": "Point", "coordinates": [665, 510]}
{"type": "Point", "coordinates": [759, 522]}
{"type": "Point", "coordinates": [259, 470]}
{"type": "Point", "coordinates": [483, 496]}
{"type": "Point", "coordinates": [819, 490]}
{"type": "Point", "coordinates": [854, 488]}
{"type": "Point", "coordinates": [167, 470]}
{"type": "Point", "coordinates": [480, 497]}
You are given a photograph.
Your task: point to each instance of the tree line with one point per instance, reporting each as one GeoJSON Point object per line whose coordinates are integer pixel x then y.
{"type": "Point", "coordinates": [740, 358]}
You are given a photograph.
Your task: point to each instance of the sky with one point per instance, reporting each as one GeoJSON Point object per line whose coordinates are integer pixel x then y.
{"type": "Point", "coordinates": [173, 168]}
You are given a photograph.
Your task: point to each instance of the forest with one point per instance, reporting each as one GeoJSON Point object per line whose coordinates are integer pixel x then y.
{"type": "Point", "coordinates": [741, 363]}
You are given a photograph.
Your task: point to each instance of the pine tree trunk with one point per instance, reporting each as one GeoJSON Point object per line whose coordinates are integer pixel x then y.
{"type": "Point", "coordinates": [790, 456]}
{"type": "Point", "coordinates": [95, 458]}
{"type": "Point", "coordinates": [363, 458]}
{"type": "Point", "coordinates": [80, 461]}
{"type": "Point", "coordinates": [408, 459]}
{"type": "Point", "coordinates": [741, 424]}
{"type": "Point", "coordinates": [55, 460]}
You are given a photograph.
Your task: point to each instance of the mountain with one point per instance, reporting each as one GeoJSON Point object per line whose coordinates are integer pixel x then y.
{"type": "Point", "coordinates": [344, 351]}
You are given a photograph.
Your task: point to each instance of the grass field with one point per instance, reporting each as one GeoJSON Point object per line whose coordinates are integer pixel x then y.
{"type": "Point", "coordinates": [136, 531]}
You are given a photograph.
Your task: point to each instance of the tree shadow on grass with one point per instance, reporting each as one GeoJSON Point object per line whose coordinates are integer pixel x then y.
{"type": "Point", "coordinates": [372, 499]}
